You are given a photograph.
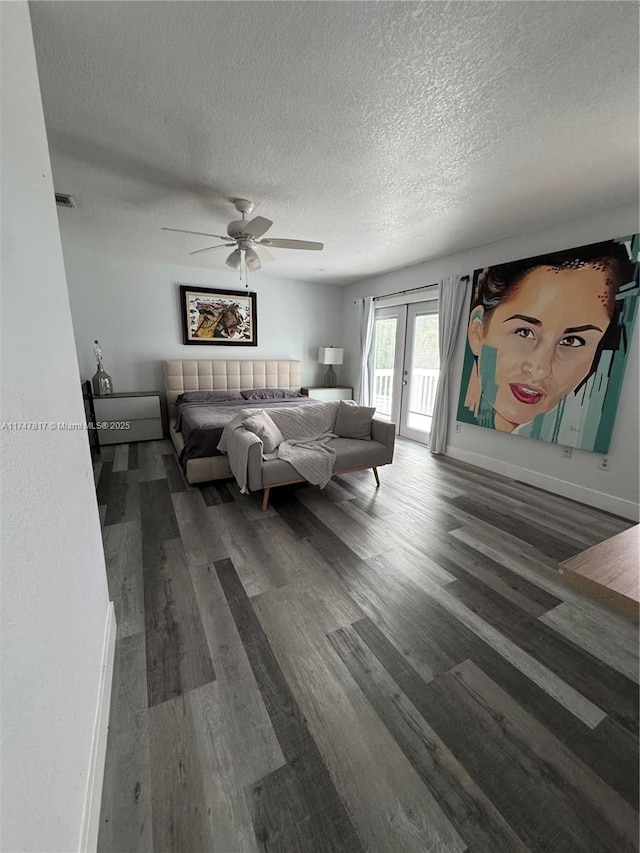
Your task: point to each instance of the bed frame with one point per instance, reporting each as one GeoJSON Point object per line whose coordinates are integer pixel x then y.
{"type": "Point", "coordinates": [209, 375]}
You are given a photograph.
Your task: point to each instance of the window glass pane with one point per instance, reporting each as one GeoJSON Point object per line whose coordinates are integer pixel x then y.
{"type": "Point", "coordinates": [385, 356]}
{"type": "Point", "coordinates": [425, 370]}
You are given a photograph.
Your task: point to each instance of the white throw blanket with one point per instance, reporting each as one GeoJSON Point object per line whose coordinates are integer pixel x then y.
{"type": "Point", "coordinates": [306, 431]}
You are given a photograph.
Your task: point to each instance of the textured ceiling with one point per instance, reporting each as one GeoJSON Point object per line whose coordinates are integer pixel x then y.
{"type": "Point", "coordinates": [393, 132]}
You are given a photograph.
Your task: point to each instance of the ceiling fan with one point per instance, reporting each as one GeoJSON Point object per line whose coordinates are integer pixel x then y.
{"type": "Point", "coordinates": [245, 234]}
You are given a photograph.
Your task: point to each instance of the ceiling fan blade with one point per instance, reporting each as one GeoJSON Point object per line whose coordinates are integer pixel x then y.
{"type": "Point", "coordinates": [208, 249]}
{"type": "Point", "coordinates": [264, 254]}
{"type": "Point", "coordinates": [252, 260]}
{"type": "Point", "coordinates": [257, 226]}
{"type": "Point", "coordinates": [233, 260]}
{"type": "Point", "coordinates": [199, 233]}
{"type": "Point", "coordinates": [293, 244]}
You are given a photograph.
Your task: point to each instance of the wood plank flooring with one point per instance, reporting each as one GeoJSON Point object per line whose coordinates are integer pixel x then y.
{"type": "Point", "coordinates": [390, 670]}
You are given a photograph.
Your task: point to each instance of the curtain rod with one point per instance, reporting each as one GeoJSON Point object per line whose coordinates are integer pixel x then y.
{"type": "Point", "coordinates": [410, 290]}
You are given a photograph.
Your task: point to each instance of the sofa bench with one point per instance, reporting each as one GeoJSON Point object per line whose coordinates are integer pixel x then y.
{"type": "Point", "coordinates": [352, 454]}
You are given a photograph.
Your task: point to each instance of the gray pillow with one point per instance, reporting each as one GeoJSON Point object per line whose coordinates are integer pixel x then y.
{"type": "Point", "coordinates": [353, 421]}
{"type": "Point", "coordinates": [263, 426]}
{"type": "Point", "coordinates": [270, 394]}
{"type": "Point", "coordinates": [217, 396]}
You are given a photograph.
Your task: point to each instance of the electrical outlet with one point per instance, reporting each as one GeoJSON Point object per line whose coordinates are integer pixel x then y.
{"type": "Point", "coordinates": [458, 426]}
{"type": "Point", "coordinates": [566, 452]}
{"type": "Point", "coordinates": [604, 463]}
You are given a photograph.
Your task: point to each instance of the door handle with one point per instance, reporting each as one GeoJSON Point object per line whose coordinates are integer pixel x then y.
{"type": "Point", "coordinates": [404, 381]}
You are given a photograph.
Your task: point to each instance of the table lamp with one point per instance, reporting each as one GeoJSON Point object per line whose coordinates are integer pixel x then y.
{"type": "Point", "coordinates": [330, 356]}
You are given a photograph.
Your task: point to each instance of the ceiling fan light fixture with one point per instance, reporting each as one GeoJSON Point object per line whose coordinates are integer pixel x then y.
{"type": "Point", "coordinates": [263, 253]}
{"type": "Point", "coordinates": [252, 260]}
{"type": "Point", "coordinates": [233, 260]}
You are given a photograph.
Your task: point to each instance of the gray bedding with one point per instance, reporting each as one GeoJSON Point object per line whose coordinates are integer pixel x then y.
{"type": "Point", "coordinates": [201, 423]}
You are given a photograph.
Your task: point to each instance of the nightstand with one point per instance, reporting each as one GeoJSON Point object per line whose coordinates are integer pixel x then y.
{"type": "Point", "coordinates": [140, 410]}
{"type": "Point", "coordinates": [340, 392]}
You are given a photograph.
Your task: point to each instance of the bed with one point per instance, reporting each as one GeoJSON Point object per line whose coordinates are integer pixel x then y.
{"type": "Point", "coordinates": [181, 375]}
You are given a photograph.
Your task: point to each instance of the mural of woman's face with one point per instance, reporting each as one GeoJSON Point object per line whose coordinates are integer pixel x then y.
{"type": "Point", "coordinates": [539, 343]}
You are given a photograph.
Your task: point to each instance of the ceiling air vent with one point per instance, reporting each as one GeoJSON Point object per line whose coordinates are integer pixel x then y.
{"type": "Point", "coordinates": [64, 200]}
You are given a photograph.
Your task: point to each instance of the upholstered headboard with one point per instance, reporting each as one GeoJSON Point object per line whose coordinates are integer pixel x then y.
{"type": "Point", "coordinates": [202, 375]}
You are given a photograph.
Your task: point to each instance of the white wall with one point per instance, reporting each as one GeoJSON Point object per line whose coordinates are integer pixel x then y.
{"type": "Point", "coordinates": [54, 604]}
{"type": "Point", "coordinates": [535, 462]}
{"type": "Point", "coordinates": [131, 305]}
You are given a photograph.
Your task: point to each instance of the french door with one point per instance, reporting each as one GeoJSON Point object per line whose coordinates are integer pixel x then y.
{"type": "Point", "coordinates": [406, 367]}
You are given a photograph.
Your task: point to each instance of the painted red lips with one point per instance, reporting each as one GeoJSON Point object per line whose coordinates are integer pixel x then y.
{"type": "Point", "coordinates": [526, 394]}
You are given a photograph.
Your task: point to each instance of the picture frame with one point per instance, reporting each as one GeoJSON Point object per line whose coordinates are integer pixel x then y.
{"type": "Point", "coordinates": [548, 340]}
{"type": "Point", "coordinates": [217, 317]}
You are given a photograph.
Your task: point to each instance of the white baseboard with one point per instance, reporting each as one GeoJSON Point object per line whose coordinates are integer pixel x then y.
{"type": "Point", "coordinates": [591, 497]}
{"type": "Point", "coordinates": [93, 798]}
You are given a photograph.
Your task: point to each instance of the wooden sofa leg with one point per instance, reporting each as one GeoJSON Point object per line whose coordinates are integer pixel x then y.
{"type": "Point", "coordinates": [265, 498]}
{"type": "Point", "coordinates": [375, 474]}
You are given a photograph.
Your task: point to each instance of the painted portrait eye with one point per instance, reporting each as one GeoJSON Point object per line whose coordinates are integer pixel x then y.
{"type": "Point", "coordinates": [572, 341]}
{"type": "Point", "coordinates": [525, 333]}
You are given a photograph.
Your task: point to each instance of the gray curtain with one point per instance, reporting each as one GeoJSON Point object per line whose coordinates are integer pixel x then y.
{"type": "Point", "coordinates": [365, 311]}
{"type": "Point", "coordinates": [451, 300]}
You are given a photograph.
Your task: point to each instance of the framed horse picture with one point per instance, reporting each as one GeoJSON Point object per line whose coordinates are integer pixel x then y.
{"type": "Point", "coordinates": [218, 317]}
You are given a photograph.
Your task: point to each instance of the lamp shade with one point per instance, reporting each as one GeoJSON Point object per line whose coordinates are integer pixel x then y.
{"type": "Point", "coordinates": [330, 355]}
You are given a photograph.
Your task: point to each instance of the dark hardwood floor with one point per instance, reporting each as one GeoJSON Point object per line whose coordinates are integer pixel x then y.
{"type": "Point", "coordinates": [392, 670]}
